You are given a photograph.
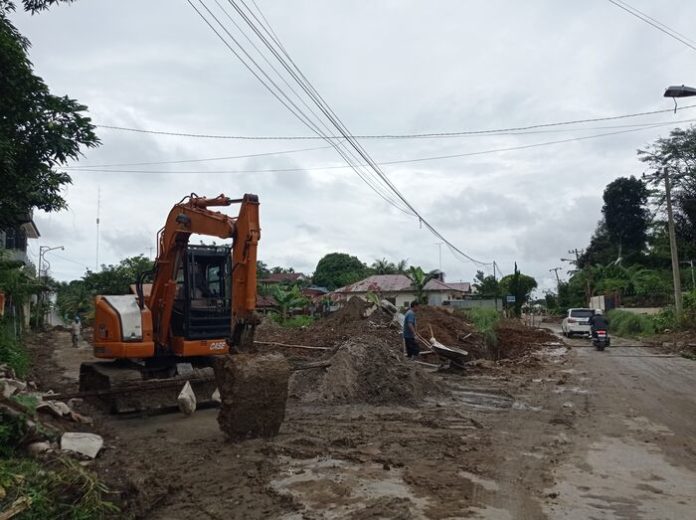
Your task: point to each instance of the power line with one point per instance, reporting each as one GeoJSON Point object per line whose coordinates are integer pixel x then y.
{"type": "Point", "coordinates": [403, 161]}
{"type": "Point", "coordinates": [428, 135]}
{"type": "Point", "coordinates": [229, 157]}
{"type": "Point", "coordinates": [264, 78]}
{"type": "Point", "coordinates": [654, 23]}
{"type": "Point", "coordinates": [636, 127]}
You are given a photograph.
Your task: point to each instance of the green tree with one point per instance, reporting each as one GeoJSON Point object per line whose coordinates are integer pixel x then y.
{"type": "Point", "coordinates": [419, 279]}
{"type": "Point", "coordinates": [262, 270]}
{"type": "Point", "coordinates": [518, 285]}
{"type": "Point", "coordinates": [486, 286]}
{"type": "Point", "coordinates": [338, 269]}
{"type": "Point", "coordinates": [626, 215]}
{"type": "Point", "coordinates": [383, 266]}
{"type": "Point", "coordinates": [39, 131]}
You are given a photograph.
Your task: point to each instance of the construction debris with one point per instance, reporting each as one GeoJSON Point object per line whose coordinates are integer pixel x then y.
{"type": "Point", "coordinates": [187, 400]}
{"type": "Point", "coordinates": [87, 444]}
{"type": "Point", "coordinates": [254, 391]}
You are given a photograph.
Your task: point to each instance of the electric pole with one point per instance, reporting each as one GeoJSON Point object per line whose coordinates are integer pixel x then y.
{"type": "Point", "coordinates": [558, 280]}
{"type": "Point", "coordinates": [676, 276]}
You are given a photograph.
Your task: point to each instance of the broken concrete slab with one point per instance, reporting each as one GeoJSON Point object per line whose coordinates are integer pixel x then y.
{"type": "Point", "coordinates": [11, 386]}
{"type": "Point", "coordinates": [55, 408]}
{"type": "Point", "coordinates": [187, 399]}
{"type": "Point", "coordinates": [87, 444]}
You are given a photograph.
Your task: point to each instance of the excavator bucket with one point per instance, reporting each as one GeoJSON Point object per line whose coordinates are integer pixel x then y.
{"type": "Point", "coordinates": [254, 392]}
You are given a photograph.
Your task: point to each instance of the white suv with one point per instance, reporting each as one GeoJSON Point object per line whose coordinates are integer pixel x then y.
{"type": "Point", "coordinates": [577, 322]}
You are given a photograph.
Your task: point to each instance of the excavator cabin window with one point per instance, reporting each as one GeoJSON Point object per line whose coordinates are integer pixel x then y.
{"type": "Point", "coordinates": [203, 302]}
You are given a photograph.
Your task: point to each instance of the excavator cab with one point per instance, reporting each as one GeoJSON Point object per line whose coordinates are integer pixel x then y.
{"type": "Point", "coordinates": [203, 302]}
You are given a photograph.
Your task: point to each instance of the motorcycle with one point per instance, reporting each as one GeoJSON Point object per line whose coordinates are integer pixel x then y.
{"type": "Point", "coordinates": [600, 339]}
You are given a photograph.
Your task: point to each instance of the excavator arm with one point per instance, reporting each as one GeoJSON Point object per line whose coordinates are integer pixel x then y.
{"type": "Point", "coordinates": [193, 216]}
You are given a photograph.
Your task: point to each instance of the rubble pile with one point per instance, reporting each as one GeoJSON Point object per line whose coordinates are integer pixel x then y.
{"type": "Point", "coordinates": [364, 369]}
{"type": "Point", "coordinates": [43, 419]}
{"type": "Point", "coordinates": [451, 329]}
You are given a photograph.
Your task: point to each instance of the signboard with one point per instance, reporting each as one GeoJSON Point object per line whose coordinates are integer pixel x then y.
{"type": "Point", "coordinates": [510, 298]}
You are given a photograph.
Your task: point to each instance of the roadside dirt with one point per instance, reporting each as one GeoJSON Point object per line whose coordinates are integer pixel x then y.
{"type": "Point", "coordinates": [561, 433]}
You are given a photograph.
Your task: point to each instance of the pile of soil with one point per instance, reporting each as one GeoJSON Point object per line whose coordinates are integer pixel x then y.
{"type": "Point", "coordinates": [516, 340]}
{"type": "Point", "coordinates": [254, 392]}
{"type": "Point", "coordinates": [337, 328]}
{"type": "Point", "coordinates": [364, 369]}
{"type": "Point", "coordinates": [450, 329]}
{"type": "Point", "coordinates": [353, 310]}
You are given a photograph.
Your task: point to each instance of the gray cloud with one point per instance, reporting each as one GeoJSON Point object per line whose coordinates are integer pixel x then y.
{"type": "Point", "coordinates": [384, 67]}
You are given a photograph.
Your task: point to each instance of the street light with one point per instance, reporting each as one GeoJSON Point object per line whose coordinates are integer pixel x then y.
{"type": "Point", "coordinates": [674, 92]}
{"type": "Point", "coordinates": [42, 251]}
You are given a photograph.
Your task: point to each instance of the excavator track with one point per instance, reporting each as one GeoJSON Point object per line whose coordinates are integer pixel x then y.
{"type": "Point", "coordinates": [127, 387]}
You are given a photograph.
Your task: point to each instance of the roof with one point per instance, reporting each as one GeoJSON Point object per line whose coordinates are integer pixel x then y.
{"type": "Point", "coordinates": [461, 286]}
{"type": "Point", "coordinates": [393, 283]}
{"type": "Point", "coordinates": [265, 301]}
{"type": "Point", "coordinates": [282, 277]}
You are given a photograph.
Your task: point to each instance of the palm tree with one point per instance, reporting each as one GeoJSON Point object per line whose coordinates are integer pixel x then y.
{"type": "Point", "coordinates": [383, 266]}
{"type": "Point", "coordinates": [419, 279]}
{"type": "Point", "coordinates": [402, 266]}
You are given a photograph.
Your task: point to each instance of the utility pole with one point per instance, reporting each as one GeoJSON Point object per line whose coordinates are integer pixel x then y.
{"type": "Point", "coordinates": [676, 276]}
{"type": "Point", "coordinates": [693, 280]}
{"type": "Point", "coordinates": [558, 280]}
{"type": "Point", "coordinates": [496, 291]}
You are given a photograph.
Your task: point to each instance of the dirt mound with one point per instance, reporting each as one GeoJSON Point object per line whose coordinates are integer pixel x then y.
{"type": "Point", "coordinates": [364, 369]}
{"type": "Point", "coordinates": [516, 340]}
{"type": "Point", "coordinates": [353, 310]}
{"type": "Point", "coordinates": [254, 391]}
{"type": "Point", "coordinates": [344, 324]}
{"type": "Point", "coordinates": [450, 329]}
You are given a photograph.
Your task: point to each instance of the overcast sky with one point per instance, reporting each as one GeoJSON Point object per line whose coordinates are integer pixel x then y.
{"type": "Point", "coordinates": [385, 67]}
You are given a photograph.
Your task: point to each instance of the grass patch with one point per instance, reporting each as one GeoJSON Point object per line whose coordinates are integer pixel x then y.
{"type": "Point", "coordinates": [485, 322]}
{"type": "Point", "coordinates": [58, 488]}
{"type": "Point", "coordinates": [294, 322]}
{"type": "Point", "coordinates": [12, 352]}
{"type": "Point", "coordinates": [624, 323]}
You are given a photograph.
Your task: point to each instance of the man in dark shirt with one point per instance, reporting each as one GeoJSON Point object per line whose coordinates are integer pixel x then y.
{"type": "Point", "coordinates": [410, 343]}
{"type": "Point", "coordinates": [598, 322]}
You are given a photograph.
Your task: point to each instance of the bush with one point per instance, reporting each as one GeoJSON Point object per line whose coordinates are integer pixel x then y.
{"type": "Point", "coordinates": [624, 323]}
{"type": "Point", "coordinates": [58, 488]}
{"type": "Point", "coordinates": [485, 321]}
{"type": "Point", "coordinates": [12, 352]}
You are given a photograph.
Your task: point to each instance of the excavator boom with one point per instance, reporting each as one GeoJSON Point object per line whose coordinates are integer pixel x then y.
{"type": "Point", "coordinates": [200, 305]}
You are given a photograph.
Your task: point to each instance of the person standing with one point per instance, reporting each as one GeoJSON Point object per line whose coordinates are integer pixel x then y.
{"type": "Point", "coordinates": [410, 343]}
{"type": "Point", "coordinates": [75, 329]}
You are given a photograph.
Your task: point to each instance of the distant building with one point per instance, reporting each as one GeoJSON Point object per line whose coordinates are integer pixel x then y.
{"type": "Point", "coordinates": [14, 240]}
{"type": "Point", "coordinates": [397, 289]}
{"type": "Point", "coordinates": [282, 279]}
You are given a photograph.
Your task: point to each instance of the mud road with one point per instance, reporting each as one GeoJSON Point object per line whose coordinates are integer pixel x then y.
{"type": "Point", "coordinates": [569, 433]}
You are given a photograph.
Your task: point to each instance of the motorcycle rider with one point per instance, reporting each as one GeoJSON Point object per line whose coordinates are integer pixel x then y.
{"type": "Point", "coordinates": [598, 322]}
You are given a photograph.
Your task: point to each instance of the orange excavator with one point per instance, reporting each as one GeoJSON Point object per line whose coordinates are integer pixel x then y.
{"type": "Point", "coordinates": [199, 306]}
